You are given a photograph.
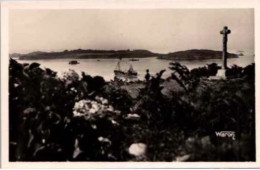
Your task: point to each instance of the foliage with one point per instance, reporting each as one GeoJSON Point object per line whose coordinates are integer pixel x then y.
{"type": "Point", "coordinates": [212, 106]}
{"type": "Point", "coordinates": [42, 124]}
{"type": "Point", "coordinates": [84, 118]}
{"type": "Point", "coordinates": [234, 72]}
{"type": "Point", "coordinates": [206, 71]}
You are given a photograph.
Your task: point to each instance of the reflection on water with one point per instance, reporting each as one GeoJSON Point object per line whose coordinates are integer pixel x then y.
{"type": "Point", "coordinates": [105, 67]}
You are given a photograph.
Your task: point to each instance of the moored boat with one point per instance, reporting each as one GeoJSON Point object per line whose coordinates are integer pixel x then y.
{"type": "Point", "coordinates": [73, 62]}
{"type": "Point", "coordinates": [240, 54]}
{"type": "Point", "coordinates": [130, 73]}
{"type": "Point", "coordinates": [134, 59]}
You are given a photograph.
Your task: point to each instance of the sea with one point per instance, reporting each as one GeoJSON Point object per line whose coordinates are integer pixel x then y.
{"type": "Point", "coordinates": [106, 67]}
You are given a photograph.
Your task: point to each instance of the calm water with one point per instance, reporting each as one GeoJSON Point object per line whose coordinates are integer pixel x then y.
{"type": "Point", "coordinates": [105, 67]}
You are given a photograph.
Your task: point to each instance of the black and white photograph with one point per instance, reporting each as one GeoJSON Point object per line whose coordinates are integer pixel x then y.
{"type": "Point", "coordinates": [130, 85]}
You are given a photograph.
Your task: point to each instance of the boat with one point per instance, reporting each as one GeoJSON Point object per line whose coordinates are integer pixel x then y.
{"type": "Point", "coordinates": [119, 73]}
{"type": "Point", "coordinates": [240, 54]}
{"type": "Point", "coordinates": [131, 71]}
{"type": "Point", "coordinates": [73, 62]}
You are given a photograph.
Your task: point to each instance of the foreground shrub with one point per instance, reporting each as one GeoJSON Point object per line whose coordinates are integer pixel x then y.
{"type": "Point", "coordinates": [84, 118]}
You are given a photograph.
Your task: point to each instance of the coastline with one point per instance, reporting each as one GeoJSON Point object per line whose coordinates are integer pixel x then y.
{"type": "Point", "coordinates": [193, 54]}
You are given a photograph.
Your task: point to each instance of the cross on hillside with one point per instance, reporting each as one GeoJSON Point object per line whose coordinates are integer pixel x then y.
{"type": "Point", "coordinates": [225, 33]}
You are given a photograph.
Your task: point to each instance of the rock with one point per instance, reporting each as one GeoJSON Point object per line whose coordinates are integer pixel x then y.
{"type": "Point", "coordinates": [182, 158]}
{"type": "Point", "coordinates": [137, 149]}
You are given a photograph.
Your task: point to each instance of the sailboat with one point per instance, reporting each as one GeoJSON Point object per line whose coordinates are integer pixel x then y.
{"type": "Point", "coordinates": [130, 73]}
{"type": "Point", "coordinates": [118, 71]}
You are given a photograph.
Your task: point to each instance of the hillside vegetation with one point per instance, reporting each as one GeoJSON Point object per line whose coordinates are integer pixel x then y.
{"type": "Point", "coordinates": [195, 55]}
{"type": "Point", "coordinates": [110, 54]}
{"type": "Point", "coordinates": [88, 54]}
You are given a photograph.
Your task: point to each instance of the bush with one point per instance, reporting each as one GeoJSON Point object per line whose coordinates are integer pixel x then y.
{"type": "Point", "coordinates": [84, 118]}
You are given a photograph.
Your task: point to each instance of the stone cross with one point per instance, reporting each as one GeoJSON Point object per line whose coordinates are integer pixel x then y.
{"type": "Point", "coordinates": [225, 33]}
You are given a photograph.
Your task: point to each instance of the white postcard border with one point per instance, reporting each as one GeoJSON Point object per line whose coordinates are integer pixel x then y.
{"type": "Point", "coordinates": [119, 4]}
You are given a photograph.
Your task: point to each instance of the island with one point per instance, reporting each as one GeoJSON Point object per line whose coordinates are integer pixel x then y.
{"type": "Point", "coordinates": [88, 54]}
{"type": "Point", "coordinates": [195, 54]}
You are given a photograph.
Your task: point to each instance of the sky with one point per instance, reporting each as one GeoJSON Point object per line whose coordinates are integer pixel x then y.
{"type": "Point", "coordinates": [157, 30]}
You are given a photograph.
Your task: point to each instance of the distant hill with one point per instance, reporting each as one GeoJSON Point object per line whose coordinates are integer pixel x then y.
{"type": "Point", "coordinates": [195, 54]}
{"type": "Point", "coordinates": [15, 55]}
{"type": "Point", "coordinates": [88, 54]}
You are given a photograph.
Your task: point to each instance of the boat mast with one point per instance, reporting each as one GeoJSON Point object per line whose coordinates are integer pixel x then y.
{"type": "Point", "coordinates": [131, 68]}
{"type": "Point", "coordinates": [118, 65]}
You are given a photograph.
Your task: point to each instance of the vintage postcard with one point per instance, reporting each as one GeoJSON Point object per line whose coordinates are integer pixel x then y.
{"type": "Point", "coordinates": [130, 84]}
